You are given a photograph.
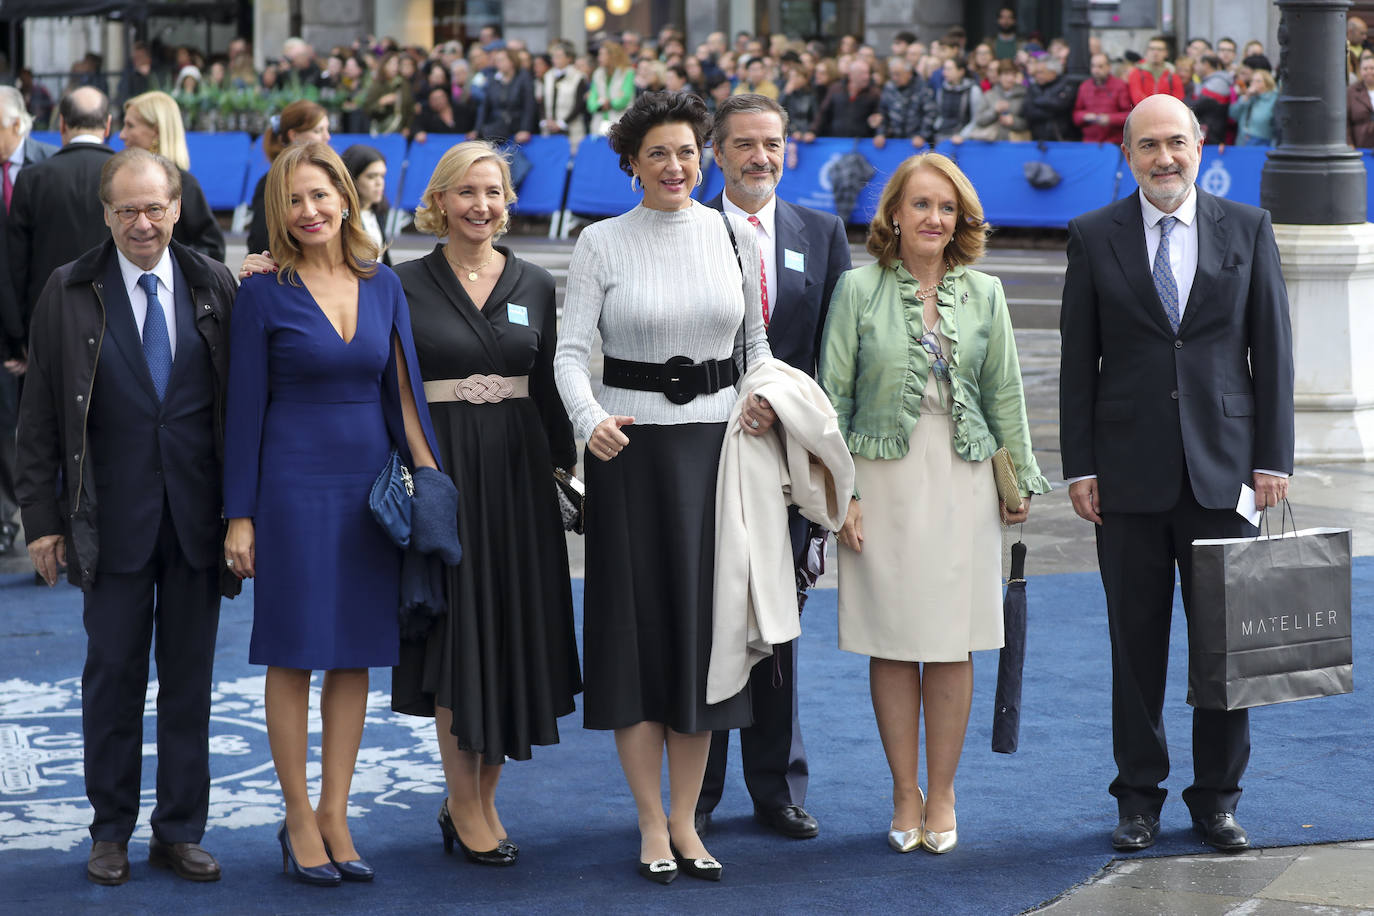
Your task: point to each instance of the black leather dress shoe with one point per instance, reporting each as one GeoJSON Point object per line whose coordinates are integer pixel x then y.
{"type": "Point", "coordinates": [188, 860]}
{"type": "Point", "coordinates": [1220, 831]}
{"type": "Point", "coordinates": [109, 862]}
{"type": "Point", "coordinates": [702, 822]}
{"type": "Point", "coordinates": [789, 820]}
{"type": "Point", "coordinates": [1135, 831]}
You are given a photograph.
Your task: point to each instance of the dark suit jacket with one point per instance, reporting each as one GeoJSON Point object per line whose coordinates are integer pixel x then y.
{"type": "Point", "coordinates": [1219, 393]}
{"type": "Point", "coordinates": [55, 217]}
{"type": "Point", "coordinates": [11, 316]}
{"type": "Point", "coordinates": [800, 300]}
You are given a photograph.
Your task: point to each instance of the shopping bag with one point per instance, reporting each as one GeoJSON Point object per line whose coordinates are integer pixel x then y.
{"type": "Point", "coordinates": [1270, 619]}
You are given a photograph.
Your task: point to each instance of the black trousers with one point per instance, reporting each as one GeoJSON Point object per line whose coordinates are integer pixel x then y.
{"type": "Point", "coordinates": [1137, 554]}
{"type": "Point", "coordinates": [775, 769]}
{"type": "Point", "coordinates": [179, 605]}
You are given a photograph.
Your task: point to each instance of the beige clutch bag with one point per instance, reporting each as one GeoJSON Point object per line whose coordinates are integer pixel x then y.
{"type": "Point", "coordinates": [1004, 473]}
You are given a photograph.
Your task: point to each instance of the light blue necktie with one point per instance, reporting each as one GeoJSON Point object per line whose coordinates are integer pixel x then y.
{"type": "Point", "coordinates": [1164, 274]}
{"type": "Point", "coordinates": [157, 343]}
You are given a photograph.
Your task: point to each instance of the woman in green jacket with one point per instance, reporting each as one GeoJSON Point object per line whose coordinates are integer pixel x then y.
{"type": "Point", "coordinates": [613, 87]}
{"type": "Point", "coordinates": [919, 360]}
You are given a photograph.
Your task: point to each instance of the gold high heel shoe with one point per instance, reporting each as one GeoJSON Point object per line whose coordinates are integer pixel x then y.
{"type": "Point", "coordinates": [940, 841]}
{"type": "Point", "coordinates": [908, 840]}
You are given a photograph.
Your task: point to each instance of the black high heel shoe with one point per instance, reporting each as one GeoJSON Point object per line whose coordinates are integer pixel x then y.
{"type": "Point", "coordinates": [659, 871]}
{"type": "Point", "coordinates": [352, 870]}
{"type": "Point", "coordinates": [325, 875]}
{"type": "Point", "coordinates": [502, 855]}
{"type": "Point", "coordinates": [706, 868]}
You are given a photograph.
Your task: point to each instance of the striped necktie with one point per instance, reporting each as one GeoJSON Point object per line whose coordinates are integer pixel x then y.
{"type": "Point", "coordinates": [1165, 284]}
{"type": "Point", "coordinates": [763, 267]}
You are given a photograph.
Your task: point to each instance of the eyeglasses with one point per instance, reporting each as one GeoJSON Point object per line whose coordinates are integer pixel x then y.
{"type": "Point", "coordinates": [129, 215]}
{"type": "Point", "coordinates": [939, 365]}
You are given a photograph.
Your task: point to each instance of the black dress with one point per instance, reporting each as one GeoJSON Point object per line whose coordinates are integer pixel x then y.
{"type": "Point", "coordinates": [504, 658]}
{"type": "Point", "coordinates": [197, 228]}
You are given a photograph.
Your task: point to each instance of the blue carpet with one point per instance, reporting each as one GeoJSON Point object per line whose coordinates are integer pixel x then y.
{"type": "Point", "coordinates": [1031, 825]}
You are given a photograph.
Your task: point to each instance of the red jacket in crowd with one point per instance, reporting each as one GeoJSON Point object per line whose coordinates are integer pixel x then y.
{"type": "Point", "coordinates": [1113, 99]}
{"type": "Point", "coordinates": [1143, 84]}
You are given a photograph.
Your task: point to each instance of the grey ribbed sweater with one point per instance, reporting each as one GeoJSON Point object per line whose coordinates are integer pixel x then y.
{"type": "Point", "coordinates": [657, 284]}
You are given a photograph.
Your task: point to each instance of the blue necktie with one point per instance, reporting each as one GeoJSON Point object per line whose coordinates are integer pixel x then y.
{"type": "Point", "coordinates": [1164, 274]}
{"type": "Point", "coordinates": [157, 344]}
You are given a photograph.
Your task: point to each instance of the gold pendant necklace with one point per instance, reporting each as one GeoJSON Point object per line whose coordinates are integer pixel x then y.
{"type": "Point", "coordinates": [471, 271]}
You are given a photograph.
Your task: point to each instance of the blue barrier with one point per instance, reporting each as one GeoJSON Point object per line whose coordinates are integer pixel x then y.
{"type": "Point", "coordinates": [597, 186]}
{"type": "Point", "coordinates": [391, 146]}
{"type": "Point", "coordinates": [220, 164]}
{"type": "Point", "coordinates": [541, 193]}
{"type": "Point", "coordinates": [229, 166]}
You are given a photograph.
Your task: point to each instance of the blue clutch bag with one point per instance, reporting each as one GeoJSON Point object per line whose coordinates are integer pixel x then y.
{"type": "Point", "coordinates": [390, 500]}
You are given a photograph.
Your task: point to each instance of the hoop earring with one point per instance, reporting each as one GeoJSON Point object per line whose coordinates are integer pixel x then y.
{"type": "Point", "coordinates": [634, 184]}
{"type": "Point", "coordinates": [700, 179]}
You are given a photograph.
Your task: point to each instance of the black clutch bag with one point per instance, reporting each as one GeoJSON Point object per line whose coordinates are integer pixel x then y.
{"type": "Point", "coordinates": [572, 498]}
{"type": "Point", "coordinates": [390, 500]}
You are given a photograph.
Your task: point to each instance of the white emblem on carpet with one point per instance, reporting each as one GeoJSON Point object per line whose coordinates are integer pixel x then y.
{"type": "Point", "coordinates": [42, 791]}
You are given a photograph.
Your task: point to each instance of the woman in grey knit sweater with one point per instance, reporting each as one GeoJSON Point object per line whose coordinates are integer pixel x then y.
{"type": "Point", "coordinates": [679, 313]}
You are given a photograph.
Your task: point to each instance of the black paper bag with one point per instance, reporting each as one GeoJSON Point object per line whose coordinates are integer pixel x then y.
{"type": "Point", "coordinates": [1270, 621]}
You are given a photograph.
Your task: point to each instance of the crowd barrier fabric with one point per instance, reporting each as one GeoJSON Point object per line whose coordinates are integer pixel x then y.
{"type": "Point", "coordinates": [220, 164]}
{"type": "Point", "coordinates": [229, 166]}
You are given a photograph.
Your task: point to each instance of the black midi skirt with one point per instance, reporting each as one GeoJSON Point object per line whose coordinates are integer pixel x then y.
{"type": "Point", "coordinates": [647, 610]}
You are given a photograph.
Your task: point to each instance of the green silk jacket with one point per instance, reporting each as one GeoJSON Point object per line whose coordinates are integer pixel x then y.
{"type": "Point", "coordinates": [874, 369]}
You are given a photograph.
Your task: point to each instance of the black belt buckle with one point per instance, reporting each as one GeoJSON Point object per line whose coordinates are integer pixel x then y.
{"type": "Point", "coordinates": [677, 386]}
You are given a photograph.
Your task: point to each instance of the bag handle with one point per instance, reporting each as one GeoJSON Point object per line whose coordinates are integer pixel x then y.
{"type": "Point", "coordinates": [1285, 516]}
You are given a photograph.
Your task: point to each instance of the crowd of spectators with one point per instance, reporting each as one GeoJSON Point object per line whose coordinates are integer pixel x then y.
{"type": "Point", "coordinates": [1009, 86]}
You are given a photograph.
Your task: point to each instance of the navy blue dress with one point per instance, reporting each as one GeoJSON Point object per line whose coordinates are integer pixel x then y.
{"type": "Point", "coordinates": [310, 423]}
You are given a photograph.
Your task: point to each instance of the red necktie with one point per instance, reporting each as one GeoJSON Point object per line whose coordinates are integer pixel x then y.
{"type": "Point", "coordinates": [763, 271]}
{"type": "Point", "coordinates": [9, 186]}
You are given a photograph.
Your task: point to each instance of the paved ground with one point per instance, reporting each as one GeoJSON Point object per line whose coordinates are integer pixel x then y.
{"type": "Point", "coordinates": [1333, 879]}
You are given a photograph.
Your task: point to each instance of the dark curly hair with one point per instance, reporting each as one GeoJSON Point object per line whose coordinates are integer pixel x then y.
{"type": "Point", "coordinates": [649, 111]}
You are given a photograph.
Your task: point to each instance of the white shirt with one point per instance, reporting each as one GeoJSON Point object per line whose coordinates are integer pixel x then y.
{"type": "Point", "coordinates": [768, 243]}
{"type": "Point", "coordinates": [138, 300]}
{"type": "Point", "coordinates": [17, 159]}
{"type": "Point", "coordinates": [1182, 242]}
{"type": "Point", "coordinates": [372, 227]}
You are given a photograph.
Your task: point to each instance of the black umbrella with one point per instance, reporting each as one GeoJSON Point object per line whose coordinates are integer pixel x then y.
{"type": "Point", "coordinates": [1006, 714]}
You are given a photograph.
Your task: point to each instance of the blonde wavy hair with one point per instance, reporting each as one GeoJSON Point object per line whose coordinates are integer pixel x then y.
{"type": "Point", "coordinates": [453, 168]}
{"type": "Point", "coordinates": [359, 251]}
{"type": "Point", "coordinates": [970, 229]}
{"type": "Point", "coordinates": [161, 111]}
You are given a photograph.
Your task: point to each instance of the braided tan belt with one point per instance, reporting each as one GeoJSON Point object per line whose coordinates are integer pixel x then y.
{"type": "Point", "coordinates": [477, 389]}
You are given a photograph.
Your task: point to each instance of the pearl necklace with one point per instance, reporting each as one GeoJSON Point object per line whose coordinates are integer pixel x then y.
{"type": "Point", "coordinates": [471, 271]}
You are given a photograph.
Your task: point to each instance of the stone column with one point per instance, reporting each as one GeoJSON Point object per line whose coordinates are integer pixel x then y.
{"type": "Point", "coordinates": [1313, 184]}
{"type": "Point", "coordinates": [271, 27]}
{"type": "Point", "coordinates": [411, 22]}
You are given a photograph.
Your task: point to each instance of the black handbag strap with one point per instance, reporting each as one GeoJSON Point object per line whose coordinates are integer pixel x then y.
{"type": "Point", "coordinates": [734, 243]}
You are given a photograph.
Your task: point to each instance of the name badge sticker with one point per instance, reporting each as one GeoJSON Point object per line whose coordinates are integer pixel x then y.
{"type": "Point", "coordinates": [794, 260]}
{"type": "Point", "coordinates": [518, 314]}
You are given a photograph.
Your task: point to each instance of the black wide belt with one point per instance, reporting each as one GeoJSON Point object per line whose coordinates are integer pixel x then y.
{"type": "Point", "coordinates": [679, 379]}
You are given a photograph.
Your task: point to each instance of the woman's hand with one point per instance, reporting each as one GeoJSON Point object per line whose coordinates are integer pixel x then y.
{"type": "Point", "coordinates": [607, 440]}
{"type": "Point", "coordinates": [239, 551]}
{"type": "Point", "coordinates": [852, 531]}
{"type": "Point", "coordinates": [1016, 518]}
{"type": "Point", "coordinates": [256, 264]}
{"type": "Point", "coordinates": [757, 417]}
